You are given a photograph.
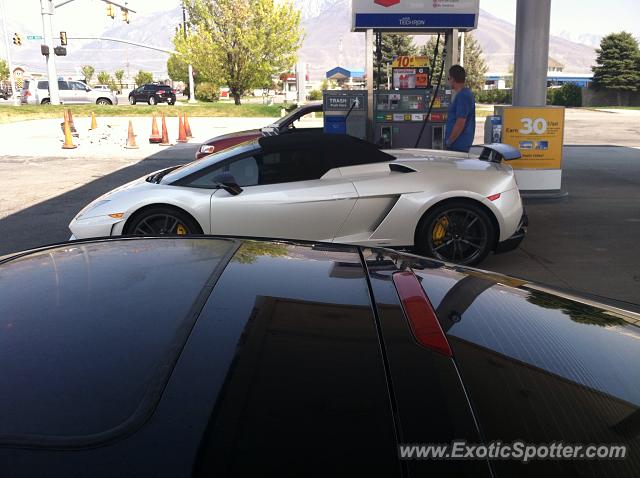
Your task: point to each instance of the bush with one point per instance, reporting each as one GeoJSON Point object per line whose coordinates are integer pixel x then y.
{"type": "Point", "coordinates": [495, 97]}
{"type": "Point", "coordinates": [207, 92]}
{"type": "Point", "coordinates": [315, 95]}
{"type": "Point", "coordinates": [567, 95]}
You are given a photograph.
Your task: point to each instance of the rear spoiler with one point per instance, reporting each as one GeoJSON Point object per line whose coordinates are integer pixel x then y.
{"type": "Point", "coordinates": [496, 152]}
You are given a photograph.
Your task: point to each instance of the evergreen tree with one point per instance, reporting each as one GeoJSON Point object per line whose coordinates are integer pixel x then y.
{"type": "Point", "coordinates": [393, 45]}
{"type": "Point", "coordinates": [474, 63]}
{"type": "Point", "coordinates": [617, 63]}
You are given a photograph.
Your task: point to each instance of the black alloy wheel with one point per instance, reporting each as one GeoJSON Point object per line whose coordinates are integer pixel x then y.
{"type": "Point", "coordinates": [161, 222]}
{"type": "Point", "coordinates": [457, 232]}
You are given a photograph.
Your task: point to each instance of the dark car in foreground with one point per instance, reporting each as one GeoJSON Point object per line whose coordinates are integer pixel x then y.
{"type": "Point", "coordinates": [217, 356]}
{"type": "Point", "coordinates": [286, 124]}
{"type": "Point", "coordinates": [153, 94]}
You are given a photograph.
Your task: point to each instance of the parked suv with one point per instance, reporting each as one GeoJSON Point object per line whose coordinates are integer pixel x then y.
{"type": "Point", "coordinates": [36, 92]}
{"type": "Point", "coordinates": [153, 94]}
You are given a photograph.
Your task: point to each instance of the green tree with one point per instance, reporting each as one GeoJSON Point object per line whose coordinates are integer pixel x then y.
{"type": "Point", "coordinates": [88, 71]}
{"type": "Point", "coordinates": [240, 43]}
{"type": "Point", "coordinates": [178, 68]}
{"type": "Point", "coordinates": [429, 50]}
{"type": "Point", "coordinates": [474, 63]}
{"type": "Point", "coordinates": [119, 74]}
{"type": "Point", "coordinates": [617, 63]}
{"type": "Point", "coordinates": [143, 77]}
{"type": "Point", "coordinates": [4, 70]}
{"type": "Point", "coordinates": [104, 78]}
{"type": "Point", "coordinates": [393, 45]}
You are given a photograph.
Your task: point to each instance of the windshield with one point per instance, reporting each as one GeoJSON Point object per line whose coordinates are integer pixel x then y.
{"type": "Point", "coordinates": [210, 160]}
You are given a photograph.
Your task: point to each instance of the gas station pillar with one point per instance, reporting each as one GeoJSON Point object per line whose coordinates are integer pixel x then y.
{"type": "Point", "coordinates": [531, 53]}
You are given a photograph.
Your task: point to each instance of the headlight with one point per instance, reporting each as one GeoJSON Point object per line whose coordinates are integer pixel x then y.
{"type": "Point", "coordinates": [91, 206]}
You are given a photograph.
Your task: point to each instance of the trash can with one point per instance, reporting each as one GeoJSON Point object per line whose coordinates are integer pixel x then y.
{"type": "Point", "coordinates": [335, 124]}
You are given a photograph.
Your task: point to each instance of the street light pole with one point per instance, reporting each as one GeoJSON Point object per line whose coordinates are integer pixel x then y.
{"type": "Point", "coordinates": [14, 93]}
{"type": "Point", "coordinates": [47, 9]}
{"type": "Point", "coordinates": [192, 98]}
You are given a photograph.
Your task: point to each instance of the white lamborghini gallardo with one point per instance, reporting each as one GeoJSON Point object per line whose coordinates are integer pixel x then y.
{"type": "Point", "coordinates": [451, 206]}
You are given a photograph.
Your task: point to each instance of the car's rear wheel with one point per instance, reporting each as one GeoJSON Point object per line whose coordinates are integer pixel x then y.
{"type": "Point", "coordinates": [46, 101]}
{"type": "Point", "coordinates": [103, 102]}
{"type": "Point", "coordinates": [456, 231]}
{"type": "Point", "coordinates": [132, 100]}
{"type": "Point", "coordinates": [152, 100]}
{"type": "Point", "coordinates": [160, 221]}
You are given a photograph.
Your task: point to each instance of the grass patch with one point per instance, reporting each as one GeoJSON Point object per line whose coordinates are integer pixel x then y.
{"type": "Point", "coordinates": [10, 113]}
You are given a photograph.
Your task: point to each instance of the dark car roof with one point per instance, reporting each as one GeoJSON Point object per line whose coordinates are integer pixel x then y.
{"type": "Point", "coordinates": [215, 354]}
{"type": "Point", "coordinates": [92, 331]}
{"type": "Point", "coordinates": [346, 145]}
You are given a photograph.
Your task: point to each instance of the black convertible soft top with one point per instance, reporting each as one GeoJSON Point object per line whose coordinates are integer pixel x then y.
{"type": "Point", "coordinates": [339, 145]}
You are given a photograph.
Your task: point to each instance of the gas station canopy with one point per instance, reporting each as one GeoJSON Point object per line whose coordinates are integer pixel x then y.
{"type": "Point", "coordinates": [415, 16]}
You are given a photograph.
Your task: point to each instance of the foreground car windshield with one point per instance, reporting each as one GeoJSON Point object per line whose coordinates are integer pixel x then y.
{"type": "Point", "coordinates": [212, 159]}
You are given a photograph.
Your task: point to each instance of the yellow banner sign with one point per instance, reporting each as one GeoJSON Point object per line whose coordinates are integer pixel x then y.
{"type": "Point", "coordinates": [410, 62]}
{"type": "Point", "coordinates": [537, 132]}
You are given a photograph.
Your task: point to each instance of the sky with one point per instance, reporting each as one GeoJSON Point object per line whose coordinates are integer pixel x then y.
{"type": "Point", "coordinates": [579, 17]}
{"type": "Point", "coordinates": [574, 17]}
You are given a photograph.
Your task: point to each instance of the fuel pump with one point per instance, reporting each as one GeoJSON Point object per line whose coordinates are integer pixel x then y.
{"type": "Point", "coordinates": [413, 106]}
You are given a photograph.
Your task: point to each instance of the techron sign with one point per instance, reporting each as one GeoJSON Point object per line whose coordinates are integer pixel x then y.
{"type": "Point", "coordinates": [414, 15]}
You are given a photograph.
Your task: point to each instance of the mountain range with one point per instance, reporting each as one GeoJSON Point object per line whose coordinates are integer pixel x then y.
{"type": "Point", "coordinates": [328, 42]}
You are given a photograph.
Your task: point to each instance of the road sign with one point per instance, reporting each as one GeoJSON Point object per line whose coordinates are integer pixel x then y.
{"type": "Point", "coordinates": [34, 37]}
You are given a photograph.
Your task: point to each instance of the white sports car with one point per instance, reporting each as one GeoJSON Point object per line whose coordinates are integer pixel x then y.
{"type": "Point", "coordinates": [313, 186]}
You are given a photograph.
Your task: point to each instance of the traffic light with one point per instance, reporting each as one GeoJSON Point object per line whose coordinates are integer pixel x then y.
{"type": "Point", "coordinates": [111, 12]}
{"type": "Point", "coordinates": [125, 15]}
{"type": "Point", "coordinates": [63, 38]}
{"type": "Point", "coordinates": [17, 39]}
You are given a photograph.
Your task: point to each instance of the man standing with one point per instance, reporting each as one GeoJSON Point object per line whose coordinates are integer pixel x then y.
{"type": "Point", "coordinates": [461, 116]}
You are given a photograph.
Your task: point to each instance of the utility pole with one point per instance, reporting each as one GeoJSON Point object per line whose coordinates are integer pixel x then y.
{"type": "Point", "coordinates": [14, 93]}
{"type": "Point", "coordinates": [192, 98]}
{"type": "Point", "coordinates": [47, 10]}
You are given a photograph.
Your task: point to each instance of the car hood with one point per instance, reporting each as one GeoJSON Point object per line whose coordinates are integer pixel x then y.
{"type": "Point", "coordinates": [237, 134]}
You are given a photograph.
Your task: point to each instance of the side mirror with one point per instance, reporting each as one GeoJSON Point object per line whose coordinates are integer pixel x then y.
{"type": "Point", "coordinates": [87, 89]}
{"type": "Point", "coordinates": [227, 182]}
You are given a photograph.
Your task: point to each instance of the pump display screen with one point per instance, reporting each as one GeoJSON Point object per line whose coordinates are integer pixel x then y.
{"type": "Point", "coordinates": [388, 102]}
{"type": "Point", "coordinates": [412, 103]}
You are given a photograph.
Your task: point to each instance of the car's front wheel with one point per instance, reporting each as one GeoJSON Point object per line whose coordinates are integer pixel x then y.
{"type": "Point", "coordinates": [46, 101]}
{"type": "Point", "coordinates": [132, 100]}
{"type": "Point", "coordinates": [152, 100]}
{"type": "Point", "coordinates": [456, 231]}
{"type": "Point", "coordinates": [103, 102]}
{"type": "Point", "coordinates": [160, 221]}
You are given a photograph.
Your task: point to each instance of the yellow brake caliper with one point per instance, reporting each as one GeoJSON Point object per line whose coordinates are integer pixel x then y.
{"type": "Point", "coordinates": [181, 230]}
{"type": "Point", "coordinates": [440, 230]}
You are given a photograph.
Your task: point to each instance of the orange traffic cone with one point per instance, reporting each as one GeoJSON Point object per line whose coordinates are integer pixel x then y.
{"type": "Point", "coordinates": [68, 141]}
{"type": "Point", "coordinates": [131, 138]}
{"type": "Point", "coordinates": [74, 131]}
{"type": "Point", "coordinates": [182, 134]}
{"type": "Point", "coordinates": [94, 123]}
{"type": "Point", "coordinates": [155, 137]}
{"type": "Point", "coordinates": [165, 135]}
{"type": "Point", "coordinates": [187, 128]}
